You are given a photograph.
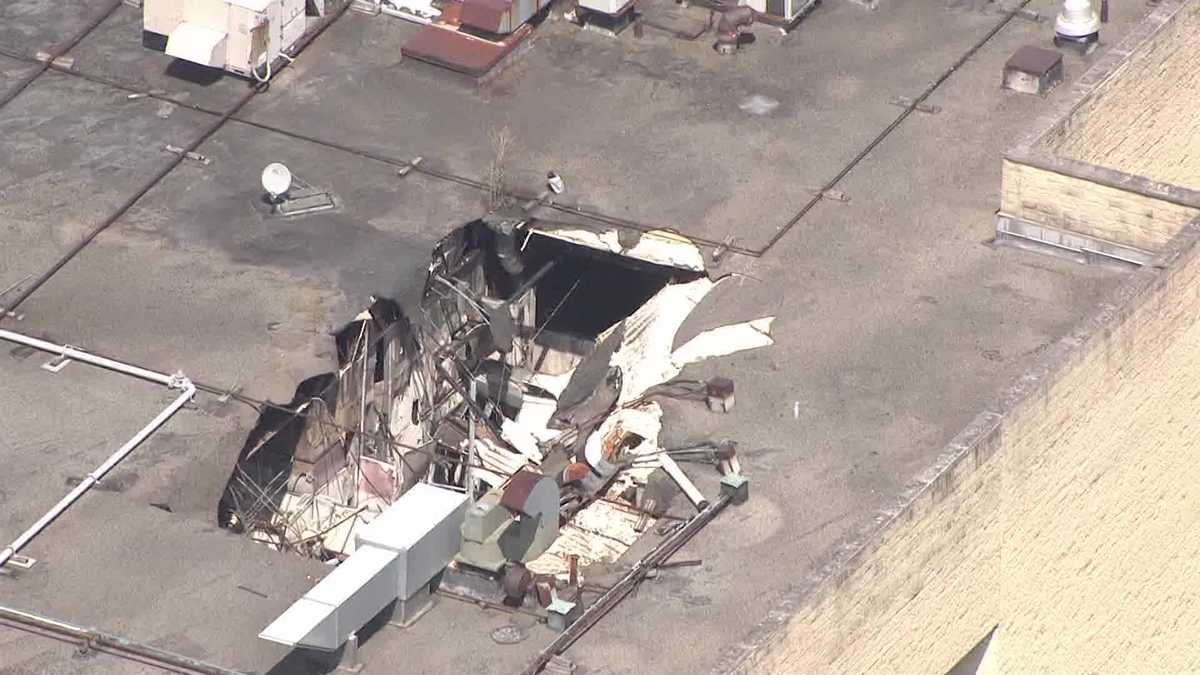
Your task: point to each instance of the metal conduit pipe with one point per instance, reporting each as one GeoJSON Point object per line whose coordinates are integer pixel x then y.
{"type": "Point", "coordinates": [90, 638]}
{"type": "Point", "coordinates": [177, 381]}
{"type": "Point", "coordinates": [75, 354]}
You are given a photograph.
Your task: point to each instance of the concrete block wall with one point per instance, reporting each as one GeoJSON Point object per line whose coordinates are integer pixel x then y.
{"type": "Point", "coordinates": [1069, 517]}
{"type": "Point", "coordinates": [1144, 122]}
{"type": "Point", "coordinates": [1074, 203]}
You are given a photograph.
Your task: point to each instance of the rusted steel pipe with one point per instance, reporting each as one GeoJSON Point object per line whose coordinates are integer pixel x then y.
{"type": "Point", "coordinates": [732, 21]}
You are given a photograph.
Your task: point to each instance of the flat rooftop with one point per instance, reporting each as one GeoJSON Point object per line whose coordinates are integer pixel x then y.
{"type": "Point", "coordinates": [897, 321]}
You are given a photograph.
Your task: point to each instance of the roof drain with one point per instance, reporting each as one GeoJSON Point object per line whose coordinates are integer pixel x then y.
{"type": "Point", "coordinates": [177, 381]}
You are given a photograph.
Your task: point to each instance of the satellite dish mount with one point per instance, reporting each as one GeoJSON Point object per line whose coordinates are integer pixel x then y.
{"type": "Point", "coordinates": [276, 180]}
{"type": "Point", "coordinates": [289, 195]}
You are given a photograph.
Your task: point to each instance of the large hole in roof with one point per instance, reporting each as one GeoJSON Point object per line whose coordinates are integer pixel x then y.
{"type": "Point", "coordinates": [502, 307]}
{"type": "Point", "coordinates": [588, 290]}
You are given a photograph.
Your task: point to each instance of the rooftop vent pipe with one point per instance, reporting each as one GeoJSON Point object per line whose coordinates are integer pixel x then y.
{"type": "Point", "coordinates": [730, 25]}
{"type": "Point", "coordinates": [1077, 23]}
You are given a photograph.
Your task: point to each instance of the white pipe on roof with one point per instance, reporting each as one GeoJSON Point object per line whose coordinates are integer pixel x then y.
{"type": "Point", "coordinates": [681, 479]}
{"type": "Point", "coordinates": [74, 354]}
{"type": "Point", "coordinates": [177, 381]}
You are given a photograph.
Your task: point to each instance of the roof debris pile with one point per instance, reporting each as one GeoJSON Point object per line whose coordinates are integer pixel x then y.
{"type": "Point", "coordinates": [533, 368]}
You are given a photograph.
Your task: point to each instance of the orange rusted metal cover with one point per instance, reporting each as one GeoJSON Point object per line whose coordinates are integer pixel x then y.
{"type": "Point", "coordinates": [486, 15]}
{"type": "Point", "coordinates": [462, 53]}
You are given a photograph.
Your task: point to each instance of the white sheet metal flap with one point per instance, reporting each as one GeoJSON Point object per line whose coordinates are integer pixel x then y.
{"type": "Point", "coordinates": [197, 44]}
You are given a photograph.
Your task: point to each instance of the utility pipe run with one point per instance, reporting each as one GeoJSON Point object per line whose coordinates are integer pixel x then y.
{"type": "Point", "coordinates": [177, 381]}
{"type": "Point", "coordinates": [68, 352]}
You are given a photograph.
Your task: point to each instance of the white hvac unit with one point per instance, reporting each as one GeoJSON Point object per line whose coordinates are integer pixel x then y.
{"type": "Point", "coordinates": [397, 556]}
{"type": "Point", "coordinates": [610, 7]}
{"type": "Point", "coordinates": [241, 36]}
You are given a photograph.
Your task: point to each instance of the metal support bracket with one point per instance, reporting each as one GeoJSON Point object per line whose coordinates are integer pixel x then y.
{"type": "Point", "coordinates": [194, 156]}
{"type": "Point", "coordinates": [64, 62]}
{"type": "Point", "coordinates": [834, 195]}
{"type": "Point", "coordinates": [305, 204]}
{"type": "Point", "coordinates": [906, 102]}
{"type": "Point", "coordinates": [21, 562]}
{"type": "Point", "coordinates": [559, 665]}
{"type": "Point", "coordinates": [350, 662]}
{"type": "Point", "coordinates": [1022, 13]}
{"type": "Point", "coordinates": [404, 170]}
{"type": "Point", "coordinates": [145, 94]}
{"type": "Point", "coordinates": [56, 364]}
{"type": "Point", "coordinates": [86, 647]}
{"type": "Point", "coordinates": [229, 394]}
{"type": "Point", "coordinates": [302, 199]}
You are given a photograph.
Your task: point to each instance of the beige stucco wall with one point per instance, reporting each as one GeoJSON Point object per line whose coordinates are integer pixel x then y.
{"type": "Point", "coordinates": [1071, 520]}
{"type": "Point", "coordinates": [1078, 205]}
{"type": "Point", "coordinates": [1144, 121]}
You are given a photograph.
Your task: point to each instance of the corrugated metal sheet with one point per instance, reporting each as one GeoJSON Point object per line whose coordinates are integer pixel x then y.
{"type": "Point", "coordinates": [645, 353]}
{"type": "Point", "coordinates": [602, 532]}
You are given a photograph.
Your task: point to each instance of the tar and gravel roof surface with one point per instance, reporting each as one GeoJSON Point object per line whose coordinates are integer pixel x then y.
{"type": "Point", "coordinates": [896, 323]}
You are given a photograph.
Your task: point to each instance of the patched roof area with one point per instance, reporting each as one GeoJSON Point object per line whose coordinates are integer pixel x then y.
{"type": "Point", "coordinates": [133, 225]}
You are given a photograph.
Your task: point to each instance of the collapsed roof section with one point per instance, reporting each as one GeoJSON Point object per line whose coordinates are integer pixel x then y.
{"type": "Point", "coordinates": [532, 363]}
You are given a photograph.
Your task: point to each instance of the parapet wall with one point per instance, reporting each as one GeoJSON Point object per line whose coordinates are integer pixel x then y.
{"type": "Point", "coordinates": [1113, 169]}
{"type": "Point", "coordinates": [1067, 518]}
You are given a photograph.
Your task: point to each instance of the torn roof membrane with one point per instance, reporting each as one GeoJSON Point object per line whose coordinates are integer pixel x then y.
{"type": "Point", "coordinates": [659, 247]}
{"type": "Point", "coordinates": [572, 410]}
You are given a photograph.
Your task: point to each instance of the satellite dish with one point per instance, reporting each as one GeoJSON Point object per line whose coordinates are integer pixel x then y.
{"type": "Point", "coordinates": [276, 179]}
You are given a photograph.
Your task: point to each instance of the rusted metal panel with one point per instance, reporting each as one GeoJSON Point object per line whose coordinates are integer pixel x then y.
{"type": "Point", "coordinates": [519, 487]}
{"type": "Point", "coordinates": [493, 16]}
{"type": "Point", "coordinates": [462, 53]}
